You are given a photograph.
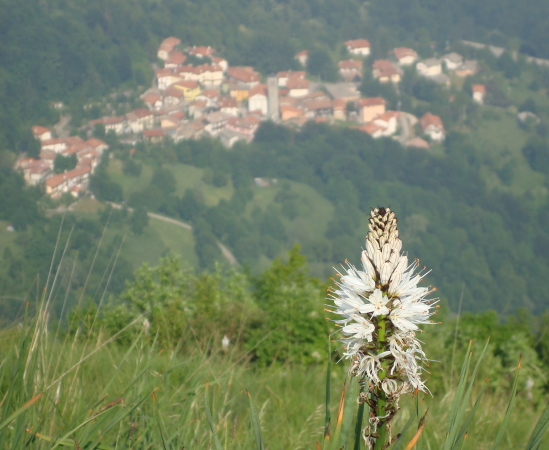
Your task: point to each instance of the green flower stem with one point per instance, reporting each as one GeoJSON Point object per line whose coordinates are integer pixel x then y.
{"type": "Point", "coordinates": [382, 398]}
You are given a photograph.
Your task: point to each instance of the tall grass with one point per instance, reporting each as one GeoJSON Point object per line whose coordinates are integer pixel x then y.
{"type": "Point", "coordinates": [69, 392]}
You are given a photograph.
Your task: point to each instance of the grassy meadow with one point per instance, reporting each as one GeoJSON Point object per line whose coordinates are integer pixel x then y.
{"type": "Point", "coordinates": [91, 391]}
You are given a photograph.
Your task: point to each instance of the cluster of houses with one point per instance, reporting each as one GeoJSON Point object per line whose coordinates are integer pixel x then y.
{"type": "Point", "coordinates": [210, 97]}
{"type": "Point", "coordinates": [41, 170]}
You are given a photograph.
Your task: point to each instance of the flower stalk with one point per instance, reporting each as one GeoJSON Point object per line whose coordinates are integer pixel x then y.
{"type": "Point", "coordinates": [381, 307]}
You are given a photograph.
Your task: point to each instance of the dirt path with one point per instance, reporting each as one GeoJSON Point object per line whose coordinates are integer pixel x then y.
{"type": "Point", "coordinates": [224, 250]}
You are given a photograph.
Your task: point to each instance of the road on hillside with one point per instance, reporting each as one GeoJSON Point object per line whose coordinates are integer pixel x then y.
{"type": "Point", "coordinates": [224, 250]}
{"type": "Point", "coordinates": [60, 127]}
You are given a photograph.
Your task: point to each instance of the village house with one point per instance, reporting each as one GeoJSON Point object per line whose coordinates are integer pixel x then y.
{"type": "Point", "coordinates": [297, 86]}
{"type": "Point", "coordinates": [239, 91]}
{"type": "Point", "coordinates": [166, 77]}
{"type": "Point", "coordinates": [479, 91]}
{"type": "Point", "coordinates": [373, 129]}
{"type": "Point", "coordinates": [340, 109]}
{"type": "Point", "coordinates": [468, 68]}
{"type": "Point", "coordinates": [371, 107]}
{"type": "Point", "coordinates": [214, 122]}
{"type": "Point", "coordinates": [197, 108]}
{"type": "Point", "coordinates": [201, 51]}
{"type": "Point", "coordinates": [359, 47]}
{"type": "Point", "coordinates": [244, 75]}
{"type": "Point", "coordinates": [302, 57]}
{"type": "Point", "coordinates": [388, 121]}
{"type": "Point", "coordinates": [285, 75]}
{"type": "Point", "coordinates": [221, 62]}
{"type": "Point", "coordinates": [289, 112]}
{"type": "Point", "coordinates": [404, 56]}
{"type": "Point", "coordinates": [34, 170]}
{"type": "Point", "coordinates": [154, 136]}
{"type": "Point", "coordinates": [317, 108]}
{"type": "Point", "coordinates": [175, 58]}
{"type": "Point", "coordinates": [98, 145]}
{"type": "Point", "coordinates": [243, 126]}
{"type": "Point", "coordinates": [228, 105]}
{"type": "Point", "coordinates": [166, 47]}
{"type": "Point", "coordinates": [429, 67]}
{"type": "Point", "coordinates": [88, 157]}
{"type": "Point", "coordinates": [172, 96]}
{"type": "Point", "coordinates": [41, 133]}
{"type": "Point", "coordinates": [153, 100]}
{"type": "Point", "coordinates": [169, 125]}
{"type": "Point", "coordinates": [452, 60]}
{"type": "Point", "coordinates": [117, 124]}
{"type": "Point", "coordinates": [258, 99]}
{"type": "Point", "coordinates": [385, 71]}
{"type": "Point", "coordinates": [432, 126]}
{"type": "Point", "coordinates": [74, 181]}
{"type": "Point", "coordinates": [54, 144]}
{"type": "Point", "coordinates": [210, 96]}
{"type": "Point", "coordinates": [48, 156]}
{"type": "Point", "coordinates": [190, 89]}
{"type": "Point", "coordinates": [139, 120]}
{"type": "Point", "coordinates": [350, 69]}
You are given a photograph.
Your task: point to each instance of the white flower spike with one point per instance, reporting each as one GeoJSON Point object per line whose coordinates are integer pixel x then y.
{"type": "Point", "coordinates": [381, 308]}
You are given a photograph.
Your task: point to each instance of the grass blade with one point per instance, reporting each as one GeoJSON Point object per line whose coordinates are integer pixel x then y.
{"type": "Point", "coordinates": [463, 430]}
{"type": "Point", "coordinates": [400, 437]}
{"type": "Point", "coordinates": [503, 425]}
{"type": "Point", "coordinates": [255, 423]}
{"type": "Point", "coordinates": [160, 424]}
{"type": "Point", "coordinates": [217, 443]}
{"type": "Point", "coordinates": [417, 434]}
{"type": "Point", "coordinates": [349, 412]}
{"type": "Point", "coordinates": [339, 418]}
{"type": "Point", "coordinates": [19, 411]}
{"type": "Point", "coordinates": [539, 431]}
{"type": "Point", "coordinates": [326, 441]}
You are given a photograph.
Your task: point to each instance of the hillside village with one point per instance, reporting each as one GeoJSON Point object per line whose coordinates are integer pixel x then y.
{"type": "Point", "coordinates": [212, 98]}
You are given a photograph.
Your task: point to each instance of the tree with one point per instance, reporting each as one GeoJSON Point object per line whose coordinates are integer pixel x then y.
{"type": "Point", "coordinates": [139, 220]}
{"type": "Point", "coordinates": [63, 163]}
{"type": "Point", "coordinates": [164, 180]}
{"type": "Point", "coordinates": [320, 63]}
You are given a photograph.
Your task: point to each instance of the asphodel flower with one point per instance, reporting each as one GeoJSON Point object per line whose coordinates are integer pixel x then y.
{"type": "Point", "coordinates": [381, 307]}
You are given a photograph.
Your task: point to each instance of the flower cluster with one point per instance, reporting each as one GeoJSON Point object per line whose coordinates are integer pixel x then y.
{"type": "Point", "coordinates": [381, 307]}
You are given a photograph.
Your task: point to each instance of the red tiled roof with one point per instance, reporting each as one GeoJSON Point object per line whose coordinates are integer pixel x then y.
{"type": "Point", "coordinates": [189, 84]}
{"type": "Point", "coordinates": [153, 133]}
{"type": "Point", "coordinates": [479, 88]}
{"type": "Point", "coordinates": [371, 101]}
{"type": "Point", "coordinates": [173, 92]}
{"type": "Point", "coordinates": [402, 52]}
{"type": "Point", "coordinates": [350, 64]}
{"type": "Point", "coordinates": [291, 73]}
{"type": "Point", "coordinates": [357, 43]}
{"type": "Point", "coordinates": [244, 74]}
{"type": "Point", "coordinates": [152, 98]}
{"type": "Point", "coordinates": [210, 93]}
{"type": "Point", "coordinates": [260, 89]}
{"type": "Point", "coordinates": [171, 41]}
{"type": "Point", "coordinates": [302, 53]}
{"type": "Point", "coordinates": [53, 141]}
{"type": "Point", "coordinates": [175, 57]}
{"type": "Point", "coordinates": [227, 102]}
{"type": "Point", "coordinates": [429, 119]}
{"type": "Point", "coordinates": [37, 130]}
{"type": "Point", "coordinates": [142, 112]}
{"type": "Point", "coordinates": [417, 142]}
{"type": "Point", "coordinates": [56, 180]}
{"type": "Point", "coordinates": [297, 83]}
{"type": "Point", "coordinates": [94, 142]}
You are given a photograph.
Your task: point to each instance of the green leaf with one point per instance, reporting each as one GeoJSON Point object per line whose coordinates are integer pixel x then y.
{"type": "Point", "coordinates": [328, 383]}
{"type": "Point", "coordinates": [400, 440]}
